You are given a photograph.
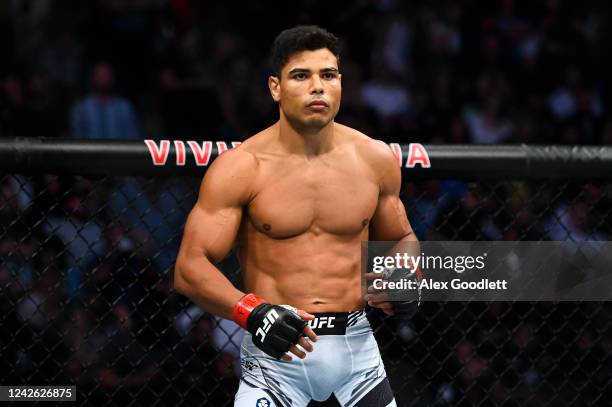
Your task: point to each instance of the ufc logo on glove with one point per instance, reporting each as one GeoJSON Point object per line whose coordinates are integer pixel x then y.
{"type": "Point", "coordinates": [270, 318]}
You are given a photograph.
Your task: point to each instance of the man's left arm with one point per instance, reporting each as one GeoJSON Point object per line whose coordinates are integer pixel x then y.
{"type": "Point", "coordinates": [390, 222]}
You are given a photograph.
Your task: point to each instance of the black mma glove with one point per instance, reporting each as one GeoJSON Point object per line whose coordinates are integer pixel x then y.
{"type": "Point", "coordinates": [407, 309]}
{"type": "Point", "coordinates": [275, 328]}
{"type": "Point", "coordinates": [401, 309]}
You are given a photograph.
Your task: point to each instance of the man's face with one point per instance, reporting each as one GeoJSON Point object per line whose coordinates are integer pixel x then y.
{"type": "Point", "coordinates": [309, 89]}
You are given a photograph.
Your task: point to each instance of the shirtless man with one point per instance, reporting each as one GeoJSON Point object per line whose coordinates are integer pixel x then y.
{"type": "Point", "coordinates": [296, 200]}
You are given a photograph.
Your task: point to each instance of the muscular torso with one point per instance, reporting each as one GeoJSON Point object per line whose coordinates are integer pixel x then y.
{"type": "Point", "coordinates": [299, 242]}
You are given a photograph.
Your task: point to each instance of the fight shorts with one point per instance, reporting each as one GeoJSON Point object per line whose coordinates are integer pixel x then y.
{"type": "Point", "coordinates": [345, 361]}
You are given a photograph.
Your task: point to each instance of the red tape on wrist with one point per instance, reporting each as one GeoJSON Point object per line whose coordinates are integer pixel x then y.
{"type": "Point", "coordinates": [243, 308]}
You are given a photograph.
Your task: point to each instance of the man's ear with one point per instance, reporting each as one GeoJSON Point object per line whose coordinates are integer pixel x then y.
{"type": "Point", "coordinates": [274, 86]}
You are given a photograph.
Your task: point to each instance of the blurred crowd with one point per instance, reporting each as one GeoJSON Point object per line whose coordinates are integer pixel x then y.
{"type": "Point", "coordinates": [87, 298]}
{"type": "Point", "coordinates": [471, 71]}
{"type": "Point", "coordinates": [85, 270]}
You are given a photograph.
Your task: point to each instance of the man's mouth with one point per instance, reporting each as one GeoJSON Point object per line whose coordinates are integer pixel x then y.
{"type": "Point", "coordinates": [318, 104]}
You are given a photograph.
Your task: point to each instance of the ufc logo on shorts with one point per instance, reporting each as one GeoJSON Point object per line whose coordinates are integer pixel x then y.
{"type": "Point", "coordinates": [270, 318]}
{"type": "Point", "coordinates": [322, 322]}
{"type": "Point", "coordinates": [263, 402]}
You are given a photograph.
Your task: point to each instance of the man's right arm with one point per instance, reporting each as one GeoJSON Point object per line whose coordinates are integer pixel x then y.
{"type": "Point", "coordinates": [210, 233]}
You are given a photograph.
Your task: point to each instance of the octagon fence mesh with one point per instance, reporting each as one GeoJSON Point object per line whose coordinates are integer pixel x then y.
{"type": "Point", "coordinates": [87, 299]}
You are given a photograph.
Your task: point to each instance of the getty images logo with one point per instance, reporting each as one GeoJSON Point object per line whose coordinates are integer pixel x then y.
{"type": "Point", "coordinates": [269, 319]}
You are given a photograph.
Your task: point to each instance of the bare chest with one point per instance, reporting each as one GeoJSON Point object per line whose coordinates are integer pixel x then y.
{"type": "Point", "coordinates": [317, 198]}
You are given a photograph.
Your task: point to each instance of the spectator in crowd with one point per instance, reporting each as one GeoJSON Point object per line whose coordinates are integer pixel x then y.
{"type": "Point", "coordinates": [102, 114]}
{"type": "Point", "coordinates": [571, 221]}
{"type": "Point", "coordinates": [385, 95]}
{"type": "Point", "coordinates": [225, 337]}
{"type": "Point", "coordinates": [489, 124]}
{"type": "Point", "coordinates": [125, 362]}
{"type": "Point", "coordinates": [567, 99]}
{"type": "Point", "coordinates": [13, 108]}
{"type": "Point", "coordinates": [82, 239]}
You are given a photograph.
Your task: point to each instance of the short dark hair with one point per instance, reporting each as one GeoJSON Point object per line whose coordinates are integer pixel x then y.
{"type": "Point", "coordinates": [301, 38]}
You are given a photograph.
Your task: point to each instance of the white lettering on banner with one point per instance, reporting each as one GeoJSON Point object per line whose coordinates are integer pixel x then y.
{"type": "Point", "coordinates": [269, 319]}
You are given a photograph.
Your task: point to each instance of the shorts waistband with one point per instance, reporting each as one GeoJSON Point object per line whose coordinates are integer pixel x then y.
{"type": "Point", "coordinates": [334, 323]}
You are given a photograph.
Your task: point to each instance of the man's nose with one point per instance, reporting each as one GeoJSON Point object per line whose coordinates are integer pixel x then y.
{"type": "Point", "coordinates": [317, 84]}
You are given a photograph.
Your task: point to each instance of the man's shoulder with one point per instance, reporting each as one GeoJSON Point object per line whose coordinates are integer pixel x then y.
{"type": "Point", "coordinates": [258, 142]}
{"type": "Point", "coordinates": [235, 162]}
{"type": "Point", "coordinates": [374, 151]}
{"type": "Point", "coordinates": [230, 177]}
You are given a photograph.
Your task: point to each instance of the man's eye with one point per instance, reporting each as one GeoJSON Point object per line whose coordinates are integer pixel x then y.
{"type": "Point", "coordinates": [329, 75]}
{"type": "Point", "coordinates": [299, 76]}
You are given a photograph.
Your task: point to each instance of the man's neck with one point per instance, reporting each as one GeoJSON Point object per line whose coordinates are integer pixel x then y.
{"type": "Point", "coordinates": [308, 142]}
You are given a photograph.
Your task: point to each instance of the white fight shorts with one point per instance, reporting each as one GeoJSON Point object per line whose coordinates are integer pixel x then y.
{"type": "Point", "coordinates": [345, 361]}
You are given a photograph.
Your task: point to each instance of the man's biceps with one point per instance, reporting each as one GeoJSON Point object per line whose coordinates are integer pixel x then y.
{"type": "Point", "coordinates": [205, 214]}
{"type": "Point", "coordinates": [391, 218]}
{"type": "Point", "coordinates": [212, 246]}
{"type": "Point", "coordinates": [201, 225]}
{"type": "Point", "coordinates": [389, 209]}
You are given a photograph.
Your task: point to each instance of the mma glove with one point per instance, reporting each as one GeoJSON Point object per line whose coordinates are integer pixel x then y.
{"type": "Point", "coordinates": [275, 328]}
{"type": "Point", "coordinates": [405, 309]}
